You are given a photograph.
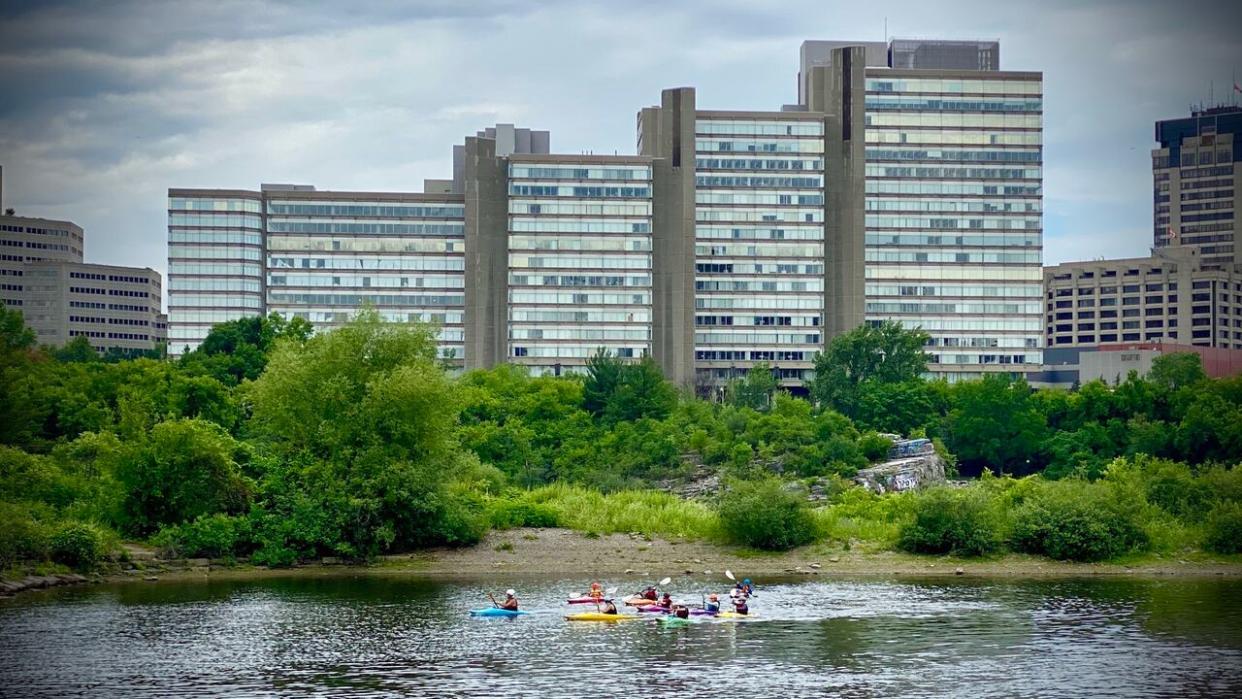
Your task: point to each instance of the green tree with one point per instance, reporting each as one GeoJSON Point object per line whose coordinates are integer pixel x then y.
{"type": "Point", "coordinates": [361, 422]}
{"type": "Point", "coordinates": [78, 349]}
{"type": "Point", "coordinates": [994, 424]}
{"type": "Point", "coordinates": [187, 469]}
{"type": "Point", "coordinates": [755, 390]}
{"type": "Point", "coordinates": [853, 366]}
{"type": "Point", "coordinates": [1177, 370]}
{"type": "Point", "coordinates": [603, 376]}
{"type": "Point", "coordinates": [238, 349]}
{"type": "Point", "coordinates": [14, 335]}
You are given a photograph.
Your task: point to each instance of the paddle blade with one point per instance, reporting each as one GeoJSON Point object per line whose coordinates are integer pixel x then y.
{"type": "Point", "coordinates": [729, 575]}
{"type": "Point", "coordinates": [666, 581]}
{"type": "Point", "coordinates": [612, 590]}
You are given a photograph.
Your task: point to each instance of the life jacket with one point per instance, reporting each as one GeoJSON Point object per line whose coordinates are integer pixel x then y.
{"type": "Point", "coordinates": [651, 594]}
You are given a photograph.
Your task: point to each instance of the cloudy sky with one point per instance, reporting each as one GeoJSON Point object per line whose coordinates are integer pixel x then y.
{"type": "Point", "coordinates": [106, 105]}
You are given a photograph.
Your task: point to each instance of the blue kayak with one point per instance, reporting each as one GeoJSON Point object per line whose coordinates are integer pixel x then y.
{"type": "Point", "coordinates": [496, 611]}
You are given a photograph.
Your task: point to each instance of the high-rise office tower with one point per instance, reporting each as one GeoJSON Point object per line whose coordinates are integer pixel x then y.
{"type": "Point", "coordinates": [318, 255]}
{"type": "Point", "coordinates": [579, 258]}
{"type": "Point", "coordinates": [754, 223]}
{"type": "Point", "coordinates": [732, 238]}
{"type": "Point", "coordinates": [1197, 173]}
{"type": "Point", "coordinates": [215, 261]}
{"type": "Point", "coordinates": [953, 198]}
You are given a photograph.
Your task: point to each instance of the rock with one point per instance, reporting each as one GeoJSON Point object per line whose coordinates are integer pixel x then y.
{"type": "Point", "coordinates": [629, 571]}
{"type": "Point", "coordinates": [151, 578]}
{"type": "Point", "coordinates": [834, 559]}
{"type": "Point", "coordinates": [816, 566]}
{"type": "Point", "coordinates": [912, 464]}
{"type": "Point", "coordinates": [699, 561]}
{"type": "Point", "coordinates": [197, 562]}
{"type": "Point", "coordinates": [707, 572]}
{"type": "Point", "coordinates": [330, 560]}
{"type": "Point", "coordinates": [959, 571]}
{"type": "Point", "coordinates": [689, 572]}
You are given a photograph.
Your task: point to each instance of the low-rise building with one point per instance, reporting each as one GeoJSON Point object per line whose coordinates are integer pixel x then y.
{"type": "Point", "coordinates": [42, 274]}
{"type": "Point", "coordinates": [1170, 296]}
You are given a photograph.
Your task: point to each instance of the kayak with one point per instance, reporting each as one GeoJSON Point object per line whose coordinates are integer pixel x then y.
{"type": "Point", "coordinates": [674, 621]}
{"type": "Point", "coordinates": [600, 616]}
{"type": "Point", "coordinates": [636, 601]}
{"type": "Point", "coordinates": [495, 611]}
{"type": "Point", "coordinates": [653, 609]}
{"type": "Point", "coordinates": [702, 612]}
{"type": "Point", "coordinates": [734, 615]}
{"type": "Point", "coordinates": [584, 600]}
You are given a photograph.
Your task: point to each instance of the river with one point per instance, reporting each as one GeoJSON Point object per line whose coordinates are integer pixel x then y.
{"type": "Point", "coordinates": [385, 635]}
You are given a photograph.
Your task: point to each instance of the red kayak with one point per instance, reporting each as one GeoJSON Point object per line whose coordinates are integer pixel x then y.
{"type": "Point", "coordinates": [585, 600]}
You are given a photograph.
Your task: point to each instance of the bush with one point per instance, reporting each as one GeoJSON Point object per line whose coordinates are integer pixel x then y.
{"type": "Point", "coordinates": [22, 537]}
{"type": "Point", "coordinates": [1223, 528]}
{"type": "Point", "coordinates": [1071, 520]}
{"type": "Point", "coordinates": [875, 447]}
{"type": "Point", "coordinates": [508, 514]}
{"type": "Point", "coordinates": [208, 536]}
{"type": "Point", "coordinates": [962, 522]}
{"type": "Point", "coordinates": [79, 546]}
{"type": "Point", "coordinates": [766, 515]}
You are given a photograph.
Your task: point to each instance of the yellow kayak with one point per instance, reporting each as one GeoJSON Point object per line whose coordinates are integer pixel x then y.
{"type": "Point", "coordinates": [735, 615]}
{"type": "Point", "coordinates": [600, 616]}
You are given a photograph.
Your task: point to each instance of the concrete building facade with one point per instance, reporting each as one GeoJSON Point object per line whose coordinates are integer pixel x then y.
{"type": "Point", "coordinates": [579, 259]}
{"type": "Point", "coordinates": [1197, 184]}
{"type": "Point", "coordinates": [318, 255]}
{"type": "Point", "coordinates": [115, 308]}
{"type": "Point", "coordinates": [1172, 296]}
{"type": "Point", "coordinates": [43, 275]}
{"type": "Point", "coordinates": [731, 238]}
{"type": "Point", "coordinates": [953, 188]}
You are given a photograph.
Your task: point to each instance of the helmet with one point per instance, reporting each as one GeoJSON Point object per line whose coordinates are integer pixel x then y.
{"type": "Point", "coordinates": [510, 593]}
{"type": "Point", "coordinates": [746, 581]}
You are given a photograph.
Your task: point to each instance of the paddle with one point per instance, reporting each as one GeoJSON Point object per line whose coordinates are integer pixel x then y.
{"type": "Point", "coordinates": [493, 599]}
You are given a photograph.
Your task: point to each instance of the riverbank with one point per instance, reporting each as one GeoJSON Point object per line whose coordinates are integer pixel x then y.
{"type": "Point", "coordinates": [563, 552]}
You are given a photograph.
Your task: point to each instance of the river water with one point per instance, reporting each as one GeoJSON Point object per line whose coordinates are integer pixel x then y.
{"type": "Point", "coordinates": [384, 635]}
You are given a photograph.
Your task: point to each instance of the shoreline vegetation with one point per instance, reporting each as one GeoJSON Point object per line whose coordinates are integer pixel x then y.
{"type": "Point", "coordinates": [272, 447]}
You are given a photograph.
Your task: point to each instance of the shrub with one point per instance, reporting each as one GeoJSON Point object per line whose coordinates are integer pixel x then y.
{"type": "Point", "coordinates": [875, 447]}
{"type": "Point", "coordinates": [766, 515]}
{"type": "Point", "coordinates": [208, 536]}
{"type": "Point", "coordinates": [508, 514]}
{"type": "Point", "coordinates": [22, 537]}
{"type": "Point", "coordinates": [1071, 520]}
{"type": "Point", "coordinates": [77, 545]}
{"type": "Point", "coordinates": [1223, 528]}
{"type": "Point", "coordinates": [962, 522]}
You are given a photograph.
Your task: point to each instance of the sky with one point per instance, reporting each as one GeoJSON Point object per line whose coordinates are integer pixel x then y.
{"type": "Point", "coordinates": [104, 106]}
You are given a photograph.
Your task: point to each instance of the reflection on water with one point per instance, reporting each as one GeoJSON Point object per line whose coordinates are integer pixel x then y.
{"type": "Point", "coordinates": [380, 636]}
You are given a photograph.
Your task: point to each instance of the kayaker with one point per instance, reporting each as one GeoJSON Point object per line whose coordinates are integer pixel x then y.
{"type": "Point", "coordinates": [650, 593]}
{"type": "Point", "coordinates": [597, 591]}
{"type": "Point", "coordinates": [609, 607]}
{"type": "Point", "coordinates": [713, 604]}
{"type": "Point", "coordinates": [511, 602]}
{"type": "Point", "coordinates": [667, 601]}
{"type": "Point", "coordinates": [739, 605]}
{"type": "Point", "coordinates": [681, 611]}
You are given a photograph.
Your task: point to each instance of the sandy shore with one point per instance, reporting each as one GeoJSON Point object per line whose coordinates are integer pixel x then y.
{"type": "Point", "coordinates": [560, 551]}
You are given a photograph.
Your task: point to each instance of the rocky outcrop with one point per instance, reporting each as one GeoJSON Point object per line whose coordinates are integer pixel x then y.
{"type": "Point", "coordinates": [912, 464]}
{"type": "Point", "coordinates": [39, 582]}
